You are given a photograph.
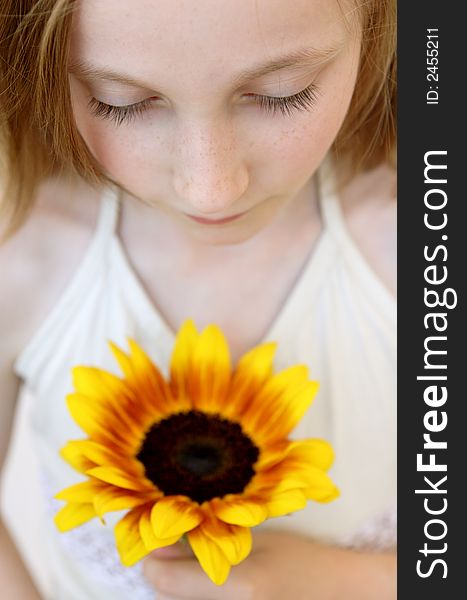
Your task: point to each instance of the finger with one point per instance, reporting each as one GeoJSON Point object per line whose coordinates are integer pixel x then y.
{"type": "Point", "coordinates": [183, 579]}
{"type": "Point", "coordinates": [178, 550]}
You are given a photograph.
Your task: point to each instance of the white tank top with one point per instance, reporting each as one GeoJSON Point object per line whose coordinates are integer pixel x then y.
{"type": "Point", "coordinates": [339, 320]}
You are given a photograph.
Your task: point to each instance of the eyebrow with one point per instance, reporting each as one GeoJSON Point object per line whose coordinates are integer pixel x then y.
{"type": "Point", "coordinates": [310, 56]}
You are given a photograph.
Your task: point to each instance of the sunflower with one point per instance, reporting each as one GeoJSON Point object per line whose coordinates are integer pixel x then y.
{"type": "Point", "coordinates": [204, 455]}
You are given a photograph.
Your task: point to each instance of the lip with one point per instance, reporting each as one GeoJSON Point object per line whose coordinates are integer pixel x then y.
{"type": "Point", "coordinates": [204, 221]}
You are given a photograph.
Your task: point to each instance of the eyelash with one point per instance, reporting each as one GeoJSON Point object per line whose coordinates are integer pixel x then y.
{"type": "Point", "coordinates": [304, 100]}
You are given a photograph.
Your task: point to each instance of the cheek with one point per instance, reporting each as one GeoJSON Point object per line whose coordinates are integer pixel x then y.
{"type": "Point", "coordinates": [300, 148]}
{"type": "Point", "coordinates": [124, 153]}
{"type": "Point", "coordinates": [291, 152]}
{"type": "Point", "coordinates": [291, 156]}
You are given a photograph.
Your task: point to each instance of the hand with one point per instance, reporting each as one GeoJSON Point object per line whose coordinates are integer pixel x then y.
{"type": "Point", "coordinates": [281, 565]}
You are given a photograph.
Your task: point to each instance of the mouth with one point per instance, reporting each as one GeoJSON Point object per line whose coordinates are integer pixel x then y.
{"type": "Point", "coordinates": [204, 221]}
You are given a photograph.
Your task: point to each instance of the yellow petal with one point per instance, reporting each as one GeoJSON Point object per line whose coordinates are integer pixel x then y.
{"type": "Point", "coordinates": [120, 478]}
{"type": "Point", "coordinates": [96, 383]}
{"type": "Point", "coordinates": [174, 515]}
{"type": "Point", "coordinates": [313, 476]}
{"type": "Point", "coordinates": [315, 452]}
{"type": "Point", "coordinates": [209, 376]}
{"type": "Point", "coordinates": [239, 511]}
{"type": "Point", "coordinates": [73, 455]}
{"type": "Point", "coordinates": [286, 502]}
{"type": "Point", "coordinates": [279, 406]}
{"type": "Point", "coordinates": [180, 365]}
{"type": "Point", "coordinates": [314, 482]}
{"type": "Point", "coordinates": [124, 361]}
{"type": "Point", "coordinates": [150, 540]}
{"type": "Point", "coordinates": [322, 491]}
{"type": "Point", "coordinates": [74, 514]}
{"type": "Point", "coordinates": [145, 530]}
{"type": "Point", "coordinates": [256, 365]}
{"type": "Point", "coordinates": [253, 370]}
{"type": "Point", "coordinates": [211, 558]}
{"type": "Point", "coordinates": [128, 539]}
{"type": "Point", "coordinates": [141, 363]}
{"type": "Point", "coordinates": [235, 542]}
{"type": "Point", "coordinates": [265, 485]}
{"type": "Point", "coordinates": [81, 492]}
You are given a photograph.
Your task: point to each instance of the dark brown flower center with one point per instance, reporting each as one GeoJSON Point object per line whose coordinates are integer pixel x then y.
{"type": "Point", "coordinates": [199, 455]}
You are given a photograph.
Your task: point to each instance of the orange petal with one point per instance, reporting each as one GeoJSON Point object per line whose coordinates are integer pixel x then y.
{"type": "Point", "coordinates": [126, 420]}
{"type": "Point", "coordinates": [102, 455]}
{"type": "Point", "coordinates": [212, 559]}
{"type": "Point", "coordinates": [173, 516]}
{"type": "Point", "coordinates": [253, 370]}
{"type": "Point", "coordinates": [209, 375]}
{"type": "Point", "coordinates": [236, 510]}
{"type": "Point", "coordinates": [109, 400]}
{"type": "Point", "coordinates": [147, 375]}
{"type": "Point", "coordinates": [279, 406]}
{"type": "Point", "coordinates": [98, 422]}
{"type": "Point", "coordinates": [114, 498]}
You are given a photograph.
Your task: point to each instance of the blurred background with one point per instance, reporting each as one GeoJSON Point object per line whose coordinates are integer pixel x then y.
{"type": "Point", "coordinates": [20, 496]}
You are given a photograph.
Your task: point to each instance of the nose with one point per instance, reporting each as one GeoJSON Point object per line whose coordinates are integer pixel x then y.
{"type": "Point", "coordinates": [209, 174]}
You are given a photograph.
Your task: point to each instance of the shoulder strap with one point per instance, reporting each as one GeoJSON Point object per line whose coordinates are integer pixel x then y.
{"type": "Point", "coordinates": [334, 223]}
{"type": "Point", "coordinates": [107, 220]}
{"type": "Point", "coordinates": [330, 207]}
{"type": "Point", "coordinates": [327, 198]}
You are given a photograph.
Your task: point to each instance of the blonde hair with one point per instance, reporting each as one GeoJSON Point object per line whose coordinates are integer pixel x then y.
{"type": "Point", "coordinates": [38, 136]}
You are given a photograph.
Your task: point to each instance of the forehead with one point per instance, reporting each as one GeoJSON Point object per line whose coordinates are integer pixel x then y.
{"type": "Point", "coordinates": [209, 36]}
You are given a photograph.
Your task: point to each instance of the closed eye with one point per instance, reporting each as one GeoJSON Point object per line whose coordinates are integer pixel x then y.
{"type": "Point", "coordinates": [303, 100]}
{"type": "Point", "coordinates": [118, 114]}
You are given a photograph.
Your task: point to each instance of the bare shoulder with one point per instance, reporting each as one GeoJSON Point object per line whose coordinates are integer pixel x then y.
{"type": "Point", "coordinates": [38, 260]}
{"type": "Point", "coordinates": [370, 211]}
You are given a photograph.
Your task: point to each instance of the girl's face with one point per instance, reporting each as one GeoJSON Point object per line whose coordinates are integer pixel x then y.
{"type": "Point", "coordinates": [217, 112]}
